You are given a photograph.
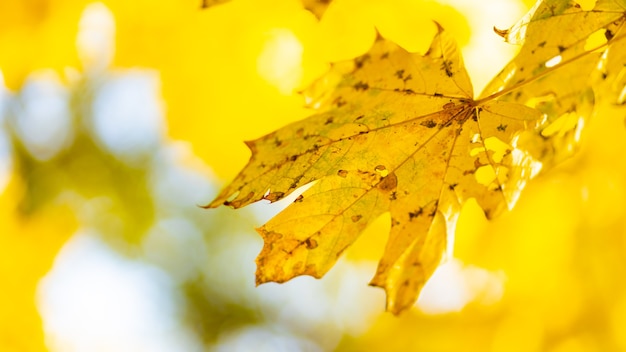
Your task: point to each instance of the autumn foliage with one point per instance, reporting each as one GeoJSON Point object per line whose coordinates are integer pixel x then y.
{"type": "Point", "coordinates": [403, 133]}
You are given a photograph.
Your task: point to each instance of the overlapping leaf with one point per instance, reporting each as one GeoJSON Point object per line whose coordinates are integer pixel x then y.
{"type": "Point", "coordinates": [555, 64]}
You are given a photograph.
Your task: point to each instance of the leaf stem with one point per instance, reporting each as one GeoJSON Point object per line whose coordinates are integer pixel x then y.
{"type": "Point", "coordinates": [548, 71]}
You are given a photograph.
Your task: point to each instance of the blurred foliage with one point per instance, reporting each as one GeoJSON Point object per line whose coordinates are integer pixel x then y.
{"type": "Point", "coordinates": [560, 249]}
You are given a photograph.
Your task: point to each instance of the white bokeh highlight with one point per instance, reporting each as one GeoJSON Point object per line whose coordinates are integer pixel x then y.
{"type": "Point", "coordinates": [95, 41]}
{"type": "Point", "coordinates": [93, 299]}
{"type": "Point", "coordinates": [41, 116]}
{"type": "Point", "coordinates": [128, 115]}
{"type": "Point", "coordinates": [454, 285]}
{"type": "Point", "coordinates": [6, 160]}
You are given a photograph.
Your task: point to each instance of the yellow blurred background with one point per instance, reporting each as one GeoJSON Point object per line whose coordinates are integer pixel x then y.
{"type": "Point", "coordinates": [118, 118]}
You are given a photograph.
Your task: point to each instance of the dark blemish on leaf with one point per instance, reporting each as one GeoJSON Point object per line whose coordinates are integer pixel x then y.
{"type": "Point", "coordinates": [447, 66]}
{"type": "Point", "coordinates": [388, 183]}
{"type": "Point", "coordinates": [438, 95]}
{"type": "Point", "coordinates": [429, 123]}
{"type": "Point", "coordinates": [278, 142]}
{"type": "Point", "coordinates": [329, 120]}
{"type": "Point", "coordinates": [360, 61]}
{"type": "Point", "coordinates": [342, 173]}
{"type": "Point", "coordinates": [604, 75]}
{"type": "Point", "coordinates": [380, 168]}
{"type": "Point", "coordinates": [313, 149]}
{"type": "Point", "coordinates": [409, 77]}
{"type": "Point", "coordinates": [384, 55]}
{"type": "Point", "coordinates": [502, 128]}
{"type": "Point", "coordinates": [518, 95]}
{"type": "Point", "coordinates": [449, 105]}
{"type": "Point", "coordinates": [393, 196]}
{"type": "Point", "coordinates": [272, 236]}
{"type": "Point", "coordinates": [295, 182]}
{"type": "Point", "coordinates": [608, 34]}
{"type": "Point", "coordinates": [294, 157]}
{"type": "Point", "coordinates": [361, 86]}
{"type": "Point", "coordinates": [399, 74]}
{"type": "Point", "coordinates": [414, 214]}
{"type": "Point", "coordinates": [408, 91]}
{"type": "Point", "coordinates": [521, 69]}
{"type": "Point", "coordinates": [274, 196]}
{"type": "Point", "coordinates": [356, 218]}
{"type": "Point", "coordinates": [300, 132]}
{"type": "Point", "coordinates": [299, 199]}
{"type": "Point", "coordinates": [561, 48]}
{"type": "Point", "coordinates": [359, 117]}
{"type": "Point", "coordinates": [452, 186]}
{"type": "Point", "coordinates": [238, 203]}
{"type": "Point", "coordinates": [310, 243]}
{"type": "Point", "coordinates": [542, 44]}
{"type": "Point", "coordinates": [339, 102]}
{"type": "Point", "coordinates": [262, 166]}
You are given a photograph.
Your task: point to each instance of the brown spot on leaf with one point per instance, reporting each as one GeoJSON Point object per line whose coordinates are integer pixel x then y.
{"type": "Point", "coordinates": [299, 199]}
{"type": "Point", "coordinates": [274, 196]}
{"type": "Point", "coordinates": [361, 86]}
{"type": "Point", "coordinates": [501, 128]}
{"type": "Point", "coordinates": [447, 67]}
{"type": "Point", "coordinates": [310, 243]}
{"type": "Point", "coordinates": [356, 218]}
{"type": "Point", "coordinates": [329, 120]}
{"type": "Point", "coordinates": [238, 203]}
{"type": "Point", "coordinates": [429, 123]}
{"type": "Point", "coordinates": [342, 173]}
{"type": "Point", "coordinates": [339, 102]}
{"type": "Point", "coordinates": [388, 183]}
{"type": "Point", "coordinates": [416, 213]}
{"type": "Point", "coordinates": [360, 61]}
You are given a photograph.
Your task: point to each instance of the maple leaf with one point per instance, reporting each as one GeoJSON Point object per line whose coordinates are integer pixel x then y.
{"type": "Point", "coordinates": [402, 134]}
{"type": "Point", "coordinates": [556, 64]}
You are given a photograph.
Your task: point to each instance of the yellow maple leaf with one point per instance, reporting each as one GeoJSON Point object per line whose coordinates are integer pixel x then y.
{"type": "Point", "coordinates": [563, 45]}
{"type": "Point", "coordinates": [401, 134]}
